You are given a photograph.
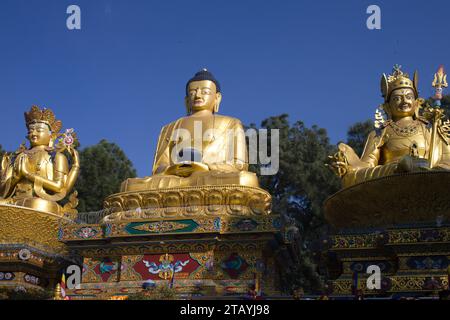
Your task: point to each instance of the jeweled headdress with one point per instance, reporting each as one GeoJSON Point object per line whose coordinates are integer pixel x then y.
{"type": "Point", "coordinates": [46, 116]}
{"type": "Point", "coordinates": [397, 80]}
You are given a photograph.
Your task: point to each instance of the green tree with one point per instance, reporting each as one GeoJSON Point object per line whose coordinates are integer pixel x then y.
{"type": "Point", "coordinates": [357, 135]}
{"type": "Point", "coordinates": [445, 104]}
{"type": "Point", "coordinates": [298, 191]}
{"type": "Point", "coordinates": [103, 168]}
{"type": "Point", "coordinates": [2, 152]}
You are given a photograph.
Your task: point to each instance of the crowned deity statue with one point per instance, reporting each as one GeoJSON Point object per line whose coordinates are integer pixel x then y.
{"type": "Point", "coordinates": [409, 135]}
{"type": "Point", "coordinates": [41, 175]}
{"type": "Point", "coordinates": [202, 148]}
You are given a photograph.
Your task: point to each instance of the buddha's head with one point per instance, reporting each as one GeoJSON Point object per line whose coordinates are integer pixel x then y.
{"type": "Point", "coordinates": [203, 93]}
{"type": "Point", "coordinates": [400, 94]}
{"type": "Point", "coordinates": [39, 134]}
{"type": "Point", "coordinates": [402, 103]}
{"type": "Point", "coordinates": [42, 126]}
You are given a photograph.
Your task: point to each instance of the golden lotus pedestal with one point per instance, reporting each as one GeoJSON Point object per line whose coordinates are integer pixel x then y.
{"type": "Point", "coordinates": [31, 257]}
{"type": "Point", "coordinates": [202, 241]}
{"type": "Point", "coordinates": [400, 223]}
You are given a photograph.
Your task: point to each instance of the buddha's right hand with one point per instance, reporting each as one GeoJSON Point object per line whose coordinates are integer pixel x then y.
{"type": "Point", "coordinates": [345, 160]}
{"type": "Point", "coordinates": [75, 156]}
{"type": "Point", "coordinates": [350, 157]}
{"type": "Point", "coordinates": [4, 163]}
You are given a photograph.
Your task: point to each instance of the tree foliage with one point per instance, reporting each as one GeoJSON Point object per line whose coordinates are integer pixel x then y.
{"type": "Point", "coordinates": [103, 168]}
{"type": "Point", "coordinates": [299, 189]}
{"type": "Point", "coordinates": [445, 104]}
{"type": "Point", "coordinates": [357, 135]}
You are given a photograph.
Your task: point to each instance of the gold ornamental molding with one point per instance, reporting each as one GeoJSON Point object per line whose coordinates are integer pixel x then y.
{"type": "Point", "coordinates": [232, 200]}
{"type": "Point", "coordinates": [391, 200]}
{"type": "Point", "coordinates": [21, 225]}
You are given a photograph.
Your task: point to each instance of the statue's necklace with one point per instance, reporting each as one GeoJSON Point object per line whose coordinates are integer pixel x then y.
{"type": "Point", "coordinates": [407, 131]}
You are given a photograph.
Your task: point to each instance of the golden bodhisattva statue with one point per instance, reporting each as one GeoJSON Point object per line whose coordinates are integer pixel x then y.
{"type": "Point", "coordinates": [200, 165]}
{"type": "Point", "coordinates": [408, 136]}
{"type": "Point", "coordinates": [203, 148]}
{"type": "Point", "coordinates": [39, 176]}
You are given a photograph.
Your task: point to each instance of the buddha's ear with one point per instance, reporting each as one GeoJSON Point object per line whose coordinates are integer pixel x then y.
{"type": "Point", "coordinates": [387, 109]}
{"type": "Point", "coordinates": [188, 107]}
{"type": "Point", "coordinates": [218, 100]}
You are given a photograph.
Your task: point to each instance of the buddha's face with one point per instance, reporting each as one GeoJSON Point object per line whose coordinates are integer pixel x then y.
{"type": "Point", "coordinates": [39, 134]}
{"type": "Point", "coordinates": [202, 95]}
{"type": "Point", "coordinates": [402, 103]}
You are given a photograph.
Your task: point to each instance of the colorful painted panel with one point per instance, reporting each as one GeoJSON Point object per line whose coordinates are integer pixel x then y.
{"type": "Point", "coordinates": [419, 235]}
{"type": "Point", "coordinates": [139, 228]}
{"type": "Point", "coordinates": [254, 224]}
{"type": "Point", "coordinates": [234, 265]}
{"type": "Point", "coordinates": [361, 266]}
{"type": "Point", "coordinates": [177, 226]}
{"type": "Point", "coordinates": [7, 276]}
{"type": "Point", "coordinates": [79, 232]}
{"type": "Point", "coordinates": [165, 266]}
{"type": "Point", "coordinates": [100, 270]}
{"type": "Point", "coordinates": [428, 263]}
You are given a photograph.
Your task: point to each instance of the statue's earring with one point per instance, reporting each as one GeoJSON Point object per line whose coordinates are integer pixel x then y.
{"type": "Point", "coordinates": [53, 138]}
{"type": "Point", "coordinates": [218, 100]}
{"type": "Point", "coordinates": [188, 106]}
{"type": "Point", "coordinates": [387, 109]}
{"type": "Point", "coordinates": [419, 105]}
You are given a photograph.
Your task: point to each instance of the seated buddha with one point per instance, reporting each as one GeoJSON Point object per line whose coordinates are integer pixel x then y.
{"type": "Point", "coordinates": [39, 176]}
{"type": "Point", "coordinates": [406, 138]}
{"type": "Point", "coordinates": [202, 148]}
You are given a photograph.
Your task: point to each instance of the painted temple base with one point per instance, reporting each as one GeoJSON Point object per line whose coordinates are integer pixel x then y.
{"type": "Point", "coordinates": [400, 223]}
{"type": "Point", "coordinates": [31, 257]}
{"type": "Point", "coordinates": [413, 260]}
{"type": "Point", "coordinates": [211, 255]}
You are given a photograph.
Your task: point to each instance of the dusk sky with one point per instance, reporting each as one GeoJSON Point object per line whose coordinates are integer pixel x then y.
{"type": "Point", "coordinates": [122, 76]}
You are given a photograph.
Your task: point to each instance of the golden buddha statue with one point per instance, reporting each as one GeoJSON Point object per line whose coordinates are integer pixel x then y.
{"type": "Point", "coordinates": [203, 148]}
{"type": "Point", "coordinates": [408, 136]}
{"type": "Point", "coordinates": [40, 176]}
{"type": "Point", "coordinates": [200, 166]}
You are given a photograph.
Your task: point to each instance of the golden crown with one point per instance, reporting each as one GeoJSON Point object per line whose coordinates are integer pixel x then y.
{"type": "Point", "coordinates": [44, 116]}
{"type": "Point", "coordinates": [398, 80]}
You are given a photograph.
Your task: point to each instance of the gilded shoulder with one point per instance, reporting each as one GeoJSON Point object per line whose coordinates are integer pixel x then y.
{"type": "Point", "coordinates": [232, 122]}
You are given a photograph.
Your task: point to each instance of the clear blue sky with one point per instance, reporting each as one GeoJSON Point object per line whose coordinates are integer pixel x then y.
{"type": "Point", "coordinates": [122, 76]}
